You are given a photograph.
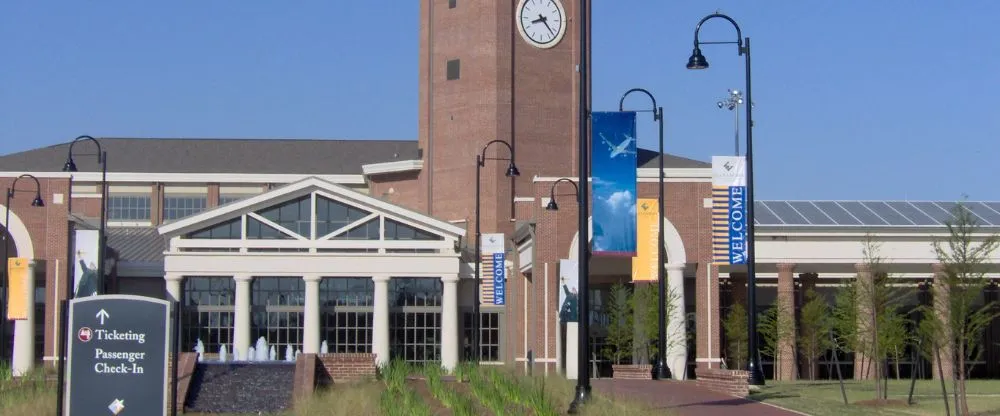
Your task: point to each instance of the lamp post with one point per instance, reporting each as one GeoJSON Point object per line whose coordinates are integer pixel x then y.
{"type": "Point", "coordinates": [552, 205]}
{"type": "Point", "coordinates": [70, 166]}
{"type": "Point", "coordinates": [37, 202]}
{"type": "Point", "coordinates": [511, 172]}
{"type": "Point", "coordinates": [698, 61]}
{"type": "Point", "coordinates": [660, 369]}
{"type": "Point", "coordinates": [733, 102]}
{"type": "Point", "coordinates": [582, 394]}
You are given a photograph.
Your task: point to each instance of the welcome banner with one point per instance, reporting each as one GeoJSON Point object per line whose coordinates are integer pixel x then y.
{"type": "Point", "coordinates": [644, 264]}
{"type": "Point", "coordinates": [492, 269]}
{"type": "Point", "coordinates": [729, 222]}
{"type": "Point", "coordinates": [613, 177]}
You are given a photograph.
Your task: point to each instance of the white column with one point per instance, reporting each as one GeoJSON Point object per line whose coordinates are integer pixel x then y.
{"type": "Point", "coordinates": [173, 286]}
{"type": "Point", "coordinates": [241, 322]}
{"type": "Point", "coordinates": [572, 350]}
{"type": "Point", "coordinates": [449, 323]}
{"type": "Point", "coordinates": [23, 360]}
{"type": "Point", "coordinates": [380, 316]}
{"type": "Point", "coordinates": [310, 339]}
{"type": "Point", "coordinates": [676, 323]}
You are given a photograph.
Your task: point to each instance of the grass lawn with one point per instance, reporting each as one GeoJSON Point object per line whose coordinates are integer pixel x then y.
{"type": "Point", "coordinates": [821, 398]}
{"type": "Point", "coordinates": [402, 390]}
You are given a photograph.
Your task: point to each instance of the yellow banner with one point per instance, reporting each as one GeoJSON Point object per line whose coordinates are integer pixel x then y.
{"type": "Point", "coordinates": [18, 288]}
{"type": "Point", "coordinates": [644, 264]}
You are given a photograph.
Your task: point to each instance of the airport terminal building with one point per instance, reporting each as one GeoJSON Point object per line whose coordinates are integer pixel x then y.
{"type": "Point", "coordinates": [368, 245]}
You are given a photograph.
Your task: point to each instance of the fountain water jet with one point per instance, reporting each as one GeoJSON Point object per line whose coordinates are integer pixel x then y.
{"type": "Point", "coordinates": [222, 353]}
{"type": "Point", "coordinates": [261, 349]}
{"type": "Point", "coordinates": [289, 354]}
{"type": "Point", "coordinates": [323, 348]}
{"type": "Point", "coordinates": [200, 349]}
{"type": "Point", "coordinates": [272, 354]}
{"type": "Point", "coordinates": [251, 354]}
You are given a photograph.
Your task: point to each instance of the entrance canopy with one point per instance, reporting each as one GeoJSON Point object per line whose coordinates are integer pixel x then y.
{"type": "Point", "coordinates": [311, 226]}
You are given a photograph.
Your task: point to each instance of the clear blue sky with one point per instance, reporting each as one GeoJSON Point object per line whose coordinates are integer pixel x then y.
{"type": "Point", "coordinates": [856, 99]}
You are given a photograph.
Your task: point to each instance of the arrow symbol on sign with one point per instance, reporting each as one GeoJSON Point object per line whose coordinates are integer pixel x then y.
{"type": "Point", "coordinates": [102, 315]}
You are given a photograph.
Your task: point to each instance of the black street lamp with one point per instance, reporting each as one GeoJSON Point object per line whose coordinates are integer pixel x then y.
{"type": "Point", "coordinates": [70, 166]}
{"type": "Point", "coordinates": [37, 202]}
{"type": "Point", "coordinates": [552, 205]}
{"type": "Point", "coordinates": [698, 61]}
{"type": "Point", "coordinates": [660, 369]}
{"type": "Point", "coordinates": [511, 172]}
{"type": "Point", "coordinates": [582, 394]}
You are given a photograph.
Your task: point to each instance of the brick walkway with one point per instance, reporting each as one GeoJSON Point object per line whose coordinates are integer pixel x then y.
{"type": "Point", "coordinates": [685, 398]}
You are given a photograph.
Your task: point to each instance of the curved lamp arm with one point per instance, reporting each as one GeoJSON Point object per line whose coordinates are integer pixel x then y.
{"type": "Point", "coordinates": [656, 114]}
{"type": "Point", "coordinates": [37, 202]}
{"type": "Point", "coordinates": [739, 33]}
{"type": "Point", "coordinates": [482, 156]}
{"type": "Point", "coordinates": [552, 205]}
{"type": "Point", "coordinates": [71, 166]}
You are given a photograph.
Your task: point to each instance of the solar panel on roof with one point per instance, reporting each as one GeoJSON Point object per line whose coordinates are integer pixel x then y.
{"type": "Point", "coordinates": [866, 216]}
{"type": "Point", "coordinates": [988, 216]}
{"type": "Point", "coordinates": [886, 213]}
{"type": "Point", "coordinates": [785, 212]}
{"type": "Point", "coordinates": [912, 213]}
{"type": "Point", "coordinates": [811, 212]}
{"type": "Point", "coordinates": [764, 216]}
{"type": "Point", "coordinates": [994, 206]}
{"type": "Point", "coordinates": [838, 214]}
{"type": "Point", "coordinates": [933, 210]}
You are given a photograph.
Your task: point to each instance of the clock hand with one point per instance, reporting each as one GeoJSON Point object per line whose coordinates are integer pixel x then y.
{"type": "Point", "coordinates": [540, 19]}
{"type": "Point", "coordinates": [547, 27]}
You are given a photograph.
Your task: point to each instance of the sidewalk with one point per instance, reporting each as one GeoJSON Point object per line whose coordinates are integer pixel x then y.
{"type": "Point", "coordinates": [685, 398]}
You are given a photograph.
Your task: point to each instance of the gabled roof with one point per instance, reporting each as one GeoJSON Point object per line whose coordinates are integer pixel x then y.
{"type": "Point", "coordinates": [277, 195]}
{"type": "Point", "coordinates": [287, 156]}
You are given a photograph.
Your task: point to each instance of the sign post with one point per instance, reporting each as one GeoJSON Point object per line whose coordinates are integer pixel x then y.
{"type": "Point", "coordinates": [118, 352]}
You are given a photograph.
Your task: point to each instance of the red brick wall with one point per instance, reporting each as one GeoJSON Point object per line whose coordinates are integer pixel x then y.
{"type": "Point", "coordinates": [334, 368]}
{"type": "Point", "coordinates": [632, 372]}
{"type": "Point", "coordinates": [731, 382]}
{"type": "Point", "coordinates": [405, 189]}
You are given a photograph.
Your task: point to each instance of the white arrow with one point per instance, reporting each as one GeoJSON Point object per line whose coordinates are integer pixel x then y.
{"type": "Point", "coordinates": [102, 315]}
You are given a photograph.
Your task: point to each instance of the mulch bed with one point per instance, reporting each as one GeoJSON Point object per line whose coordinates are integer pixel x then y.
{"type": "Point", "coordinates": [420, 387]}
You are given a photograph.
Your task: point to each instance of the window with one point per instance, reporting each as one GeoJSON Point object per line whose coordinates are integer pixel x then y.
{"type": "Point", "coordinates": [452, 4]}
{"type": "Point", "coordinates": [208, 313]}
{"type": "Point", "coordinates": [367, 231]}
{"type": "Point", "coordinates": [489, 336]}
{"type": "Point", "coordinates": [295, 215]}
{"type": "Point", "coordinates": [395, 230]}
{"type": "Point", "coordinates": [128, 208]}
{"type": "Point", "coordinates": [453, 69]}
{"type": "Point", "coordinates": [346, 310]}
{"type": "Point", "coordinates": [257, 230]}
{"type": "Point", "coordinates": [226, 199]}
{"type": "Point", "coordinates": [229, 230]}
{"type": "Point", "coordinates": [277, 312]}
{"type": "Point", "coordinates": [179, 206]}
{"type": "Point", "coordinates": [415, 319]}
{"type": "Point", "coordinates": [332, 216]}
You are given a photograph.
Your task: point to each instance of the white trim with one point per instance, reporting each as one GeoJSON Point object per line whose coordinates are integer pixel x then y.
{"type": "Point", "coordinates": [392, 167]}
{"type": "Point", "coordinates": [537, 360]}
{"type": "Point", "coordinates": [708, 360]}
{"type": "Point", "coordinates": [275, 226]}
{"type": "Point", "coordinates": [310, 184]}
{"type": "Point", "coordinates": [689, 173]}
{"type": "Point", "coordinates": [350, 226]}
{"type": "Point", "coordinates": [524, 199]}
{"type": "Point", "coordinates": [146, 177]}
{"type": "Point", "coordinates": [130, 223]}
{"type": "Point", "coordinates": [19, 233]}
{"type": "Point", "coordinates": [85, 196]}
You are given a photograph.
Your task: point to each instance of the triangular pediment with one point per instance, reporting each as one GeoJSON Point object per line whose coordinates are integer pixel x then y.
{"type": "Point", "coordinates": [312, 209]}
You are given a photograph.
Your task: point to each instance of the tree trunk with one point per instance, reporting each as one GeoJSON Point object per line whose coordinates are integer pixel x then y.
{"type": "Point", "coordinates": [961, 380]}
{"type": "Point", "coordinates": [944, 392]}
{"type": "Point", "coordinates": [896, 361]}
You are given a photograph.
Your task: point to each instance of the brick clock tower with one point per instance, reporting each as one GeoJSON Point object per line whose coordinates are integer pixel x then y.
{"type": "Point", "coordinates": [495, 70]}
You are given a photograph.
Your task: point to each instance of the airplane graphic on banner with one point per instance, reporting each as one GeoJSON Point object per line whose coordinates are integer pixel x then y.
{"type": "Point", "coordinates": [619, 149]}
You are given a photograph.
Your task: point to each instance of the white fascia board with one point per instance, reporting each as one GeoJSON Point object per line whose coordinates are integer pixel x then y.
{"type": "Point", "coordinates": [392, 167]}
{"type": "Point", "coordinates": [145, 177]}
{"type": "Point", "coordinates": [643, 174]}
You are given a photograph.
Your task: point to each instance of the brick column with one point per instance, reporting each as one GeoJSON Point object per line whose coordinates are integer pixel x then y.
{"type": "Point", "coordinates": [863, 368]}
{"type": "Point", "coordinates": [738, 284]}
{"type": "Point", "coordinates": [707, 326]}
{"type": "Point", "coordinates": [786, 320]}
{"type": "Point", "coordinates": [943, 311]}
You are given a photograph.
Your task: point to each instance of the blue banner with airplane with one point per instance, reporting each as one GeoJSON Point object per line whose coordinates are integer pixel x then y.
{"type": "Point", "coordinates": [613, 178]}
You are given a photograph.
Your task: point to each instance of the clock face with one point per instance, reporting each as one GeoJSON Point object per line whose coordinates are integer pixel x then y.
{"type": "Point", "coordinates": [542, 23]}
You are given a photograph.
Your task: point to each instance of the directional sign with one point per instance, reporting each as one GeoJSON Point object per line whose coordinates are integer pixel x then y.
{"type": "Point", "coordinates": [118, 356]}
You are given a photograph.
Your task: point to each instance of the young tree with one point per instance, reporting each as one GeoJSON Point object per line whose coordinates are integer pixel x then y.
{"type": "Point", "coordinates": [735, 326]}
{"type": "Point", "coordinates": [894, 336]}
{"type": "Point", "coordinates": [620, 323]}
{"type": "Point", "coordinates": [649, 329]}
{"type": "Point", "coordinates": [773, 329]}
{"type": "Point", "coordinates": [964, 257]}
{"type": "Point", "coordinates": [814, 331]}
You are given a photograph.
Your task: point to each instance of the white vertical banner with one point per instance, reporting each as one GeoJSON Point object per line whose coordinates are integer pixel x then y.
{"type": "Point", "coordinates": [86, 282]}
{"type": "Point", "coordinates": [492, 269]}
{"type": "Point", "coordinates": [569, 285]}
{"type": "Point", "coordinates": [729, 222]}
